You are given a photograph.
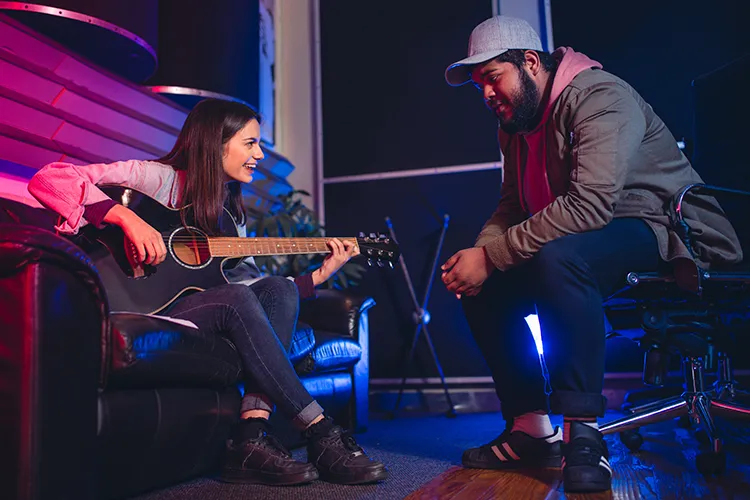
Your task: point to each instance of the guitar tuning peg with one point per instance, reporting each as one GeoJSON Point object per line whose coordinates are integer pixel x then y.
{"type": "Point", "coordinates": [372, 235]}
{"type": "Point", "coordinates": [381, 264]}
{"type": "Point", "coordinates": [361, 234]}
{"type": "Point", "coordinates": [381, 236]}
{"type": "Point", "coordinates": [390, 264]}
{"type": "Point", "coordinates": [369, 262]}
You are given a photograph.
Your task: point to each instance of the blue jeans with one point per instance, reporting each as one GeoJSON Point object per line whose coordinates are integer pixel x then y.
{"type": "Point", "coordinates": [567, 281]}
{"type": "Point", "coordinates": [260, 320]}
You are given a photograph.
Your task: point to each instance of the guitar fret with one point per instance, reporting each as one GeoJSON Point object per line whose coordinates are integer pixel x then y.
{"type": "Point", "coordinates": [233, 247]}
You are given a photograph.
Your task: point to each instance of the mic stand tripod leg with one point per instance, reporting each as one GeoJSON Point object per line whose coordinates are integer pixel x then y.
{"type": "Point", "coordinates": [422, 317]}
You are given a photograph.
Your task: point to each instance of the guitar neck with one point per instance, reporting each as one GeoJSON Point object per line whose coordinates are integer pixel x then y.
{"type": "Point", "coordinates": [246, 247]}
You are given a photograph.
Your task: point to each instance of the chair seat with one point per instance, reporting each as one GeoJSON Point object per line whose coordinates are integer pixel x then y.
{"type": "Point", "coordinates": [650, 286]}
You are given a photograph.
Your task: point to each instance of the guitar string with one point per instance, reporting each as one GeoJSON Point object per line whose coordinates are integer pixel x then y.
{"type": "Point", "coordinates": [274, 241]}
{"type": "Point", "coordinates": [256, 241]}
{"type": "Point", "coordinates": [216, 238]}
{"type": "Point", "coordinates": [266, 247]}
{"type": "Point", "coordinates": [282, 244]}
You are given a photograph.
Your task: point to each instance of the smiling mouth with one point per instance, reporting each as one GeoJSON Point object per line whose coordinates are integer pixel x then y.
{"type": "Point", "coordinates": [249, 166]}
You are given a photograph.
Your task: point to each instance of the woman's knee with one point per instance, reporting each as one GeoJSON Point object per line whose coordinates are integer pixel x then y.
{"type": "Point", "coordinates": [236, 294]}
{"type": "Point", "coordinates": [282, 287]}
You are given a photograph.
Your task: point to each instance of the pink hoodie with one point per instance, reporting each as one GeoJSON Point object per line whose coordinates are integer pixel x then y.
{"type": "Point", "coordinates": [535, 192]}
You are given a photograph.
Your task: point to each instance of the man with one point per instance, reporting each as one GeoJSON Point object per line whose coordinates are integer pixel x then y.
{"type": "Point", "coordinates": [588, 168]}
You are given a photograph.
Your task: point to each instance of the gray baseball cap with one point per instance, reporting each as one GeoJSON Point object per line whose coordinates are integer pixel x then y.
{"type": "Point", "coordinates": [493, 37]}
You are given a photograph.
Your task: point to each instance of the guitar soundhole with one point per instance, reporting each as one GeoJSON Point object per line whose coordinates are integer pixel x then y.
{"type": "Point", "coordinates": [189, 247]}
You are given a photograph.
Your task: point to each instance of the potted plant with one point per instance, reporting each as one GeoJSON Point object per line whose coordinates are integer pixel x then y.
{"type": "Point", "coordinates": [290, 217]}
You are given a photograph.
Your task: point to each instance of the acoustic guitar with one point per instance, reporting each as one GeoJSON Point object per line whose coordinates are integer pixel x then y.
{"type": "Point", "coordinates": [195, 261]}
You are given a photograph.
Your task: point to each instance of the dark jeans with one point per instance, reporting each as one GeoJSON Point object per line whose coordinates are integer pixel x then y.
{"type": "Point", "coordinates": [567, 281]}
{"type": "Point", "coordinates": [260, 320]}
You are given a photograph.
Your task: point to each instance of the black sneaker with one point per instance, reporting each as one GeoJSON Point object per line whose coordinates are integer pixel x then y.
{"type": "Point", "coordinates": [338, 457]}
{"type": "Point", "coordinates": [516, 450]}
{"type": "Point", "coordinates": [264, 460]}
{"type": "Point", "coordinates": [586, 460]}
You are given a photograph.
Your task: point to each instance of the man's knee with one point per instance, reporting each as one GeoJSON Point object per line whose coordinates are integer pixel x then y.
{"type": "Point", "coordinates": [556, 258]}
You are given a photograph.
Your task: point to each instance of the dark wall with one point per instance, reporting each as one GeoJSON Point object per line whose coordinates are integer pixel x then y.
{"type": "Point", "coordinates": [386, 105]}
{"type": "Point", "coordinates": [658, 47]}
{"type": "Point", "coordinates": [210, 46]}
{"type": "Point", "coordinates": [721, 136]}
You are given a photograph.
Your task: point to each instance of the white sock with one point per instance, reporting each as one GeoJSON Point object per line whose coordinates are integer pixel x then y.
{"type": "Point", "coordinates": [536, 425]}
{"type": "Point", "coordinates": [566, 427]}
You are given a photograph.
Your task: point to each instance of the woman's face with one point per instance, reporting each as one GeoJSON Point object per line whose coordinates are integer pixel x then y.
{"type": "Point", "coordinates": [242, 153]}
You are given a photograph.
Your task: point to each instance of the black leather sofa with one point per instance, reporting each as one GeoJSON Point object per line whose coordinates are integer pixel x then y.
{"type": "Point", "coordinates": [96, 404]}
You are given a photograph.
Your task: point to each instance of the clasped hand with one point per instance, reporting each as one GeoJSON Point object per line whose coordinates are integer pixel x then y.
{"type": "Point", "coordinates": [466, 271]}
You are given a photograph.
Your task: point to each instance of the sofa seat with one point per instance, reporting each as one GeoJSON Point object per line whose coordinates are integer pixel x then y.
{"type": "Point", "coordinates": [149, 351]}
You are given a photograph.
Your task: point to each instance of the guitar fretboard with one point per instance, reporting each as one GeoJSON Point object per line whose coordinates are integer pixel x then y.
{"type": "Point", "coordinates": [245, 247]}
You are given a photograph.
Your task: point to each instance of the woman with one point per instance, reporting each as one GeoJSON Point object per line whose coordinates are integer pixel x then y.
{"type": "Point", "coordinates": [217, 149]}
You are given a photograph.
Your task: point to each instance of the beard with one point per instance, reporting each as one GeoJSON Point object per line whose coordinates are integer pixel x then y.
{"type": "Point", "coordinates": [524, 104]}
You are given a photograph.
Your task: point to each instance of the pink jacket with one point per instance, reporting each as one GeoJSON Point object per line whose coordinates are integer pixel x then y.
{"type": "Point", "coordinates": [66, 188]}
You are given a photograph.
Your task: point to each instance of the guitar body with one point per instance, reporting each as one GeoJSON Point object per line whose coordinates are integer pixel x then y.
{"type": "Point", "coordinates": [159, 286]}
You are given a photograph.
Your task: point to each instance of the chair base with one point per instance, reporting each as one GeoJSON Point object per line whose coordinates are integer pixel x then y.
{"type": "Point", "coordinates": [697, 404]}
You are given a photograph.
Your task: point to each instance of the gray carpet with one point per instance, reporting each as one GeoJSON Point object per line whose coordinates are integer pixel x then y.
{"type": "Point", "coordinates": [415, 450]}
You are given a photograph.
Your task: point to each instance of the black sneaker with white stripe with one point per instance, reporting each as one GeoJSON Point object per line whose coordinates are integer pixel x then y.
{"type": "Point", "coordinates": [586, 460]}
{"type": "Point", "coordinates": [516, 450]}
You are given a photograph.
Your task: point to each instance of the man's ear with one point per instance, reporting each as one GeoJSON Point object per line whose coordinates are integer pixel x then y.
{"type": "Point", "coordinates": [532, 61]}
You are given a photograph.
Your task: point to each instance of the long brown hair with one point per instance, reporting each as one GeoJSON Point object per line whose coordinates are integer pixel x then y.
{"type": "Point", "coordinates": [199, 150]}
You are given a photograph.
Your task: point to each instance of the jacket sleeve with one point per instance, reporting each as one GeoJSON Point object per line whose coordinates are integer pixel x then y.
{"type": "Point", "coordinates": [608, 127]}
{"type": "Point", "coordinates": [509, 211]}
{"type": "Point", "coordinates": [67, 189]}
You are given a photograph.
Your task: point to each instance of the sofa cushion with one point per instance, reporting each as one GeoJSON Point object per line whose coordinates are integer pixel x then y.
{"type": "Point", "coordinates": [303, 342]}
{"type": "Point", "coordinates": [332, 352]}
{"type": "Point", "coordinates": [154, 352]}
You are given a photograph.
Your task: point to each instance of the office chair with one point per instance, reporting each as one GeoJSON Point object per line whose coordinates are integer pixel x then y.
{"type": "Point", "coordinates": [699, 326]}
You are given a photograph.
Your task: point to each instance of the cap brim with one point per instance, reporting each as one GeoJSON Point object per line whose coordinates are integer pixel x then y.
{"type": "Point", "coordinates": [459, 72]}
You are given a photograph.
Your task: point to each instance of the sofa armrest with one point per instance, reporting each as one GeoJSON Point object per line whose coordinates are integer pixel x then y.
{"type": "Point", "coordinates": [336, 311]}
{"type": "Point", "coordinates": [343, 313]}
{"type": "Point", "coordinates": [23, 245]}
{"type": "Point", "coordinates": [54, 347]}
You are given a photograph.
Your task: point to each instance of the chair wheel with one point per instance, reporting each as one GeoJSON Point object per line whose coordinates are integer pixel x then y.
{"type": "Point", "coordinates": [631, 439]}
{"type": "Point", "coordinates": [711, 463]}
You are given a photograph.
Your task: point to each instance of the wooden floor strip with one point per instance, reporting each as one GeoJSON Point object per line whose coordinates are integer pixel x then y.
{"type": "Point", "coordinates": [663, 469]}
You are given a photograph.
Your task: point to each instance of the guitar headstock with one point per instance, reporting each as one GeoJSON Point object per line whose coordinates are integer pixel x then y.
{"type": "Point", "coordinates": [380, 250]}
